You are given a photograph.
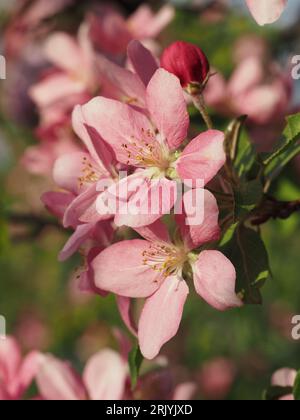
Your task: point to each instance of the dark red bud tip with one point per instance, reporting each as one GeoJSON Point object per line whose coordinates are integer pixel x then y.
{"type": "Point", "coordinates": [187, 61]}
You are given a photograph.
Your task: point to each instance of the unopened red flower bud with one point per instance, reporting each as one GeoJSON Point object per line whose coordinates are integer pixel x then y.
{"type": "Point", "coordinates": [187, 61]}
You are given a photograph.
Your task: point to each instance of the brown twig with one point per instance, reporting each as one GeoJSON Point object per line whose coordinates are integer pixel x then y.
{"type": "Point", "coordinates": [35, 223]}
{"type": "Point", "coordinates": [274, 209]}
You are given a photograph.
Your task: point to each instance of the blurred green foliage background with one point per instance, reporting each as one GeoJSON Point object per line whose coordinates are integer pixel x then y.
{"type": "Point", "coordinates": [34, 286]}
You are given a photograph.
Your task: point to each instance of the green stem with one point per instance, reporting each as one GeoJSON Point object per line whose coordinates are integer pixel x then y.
{"type": "Point", "coordinates": [200, 105]}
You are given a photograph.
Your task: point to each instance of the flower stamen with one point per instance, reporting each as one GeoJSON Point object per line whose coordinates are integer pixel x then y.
{"type": "Point", "coordinates": [165, 259]}
{"type": "Point", "coordinates": [90, 174]}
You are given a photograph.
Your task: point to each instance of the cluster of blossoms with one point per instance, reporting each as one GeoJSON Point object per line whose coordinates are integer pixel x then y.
{"type": "Point", "coordinates": [145, 137]}
{"type": "Point", "coordinates": [135, 186]}
{"type": "Point", "coordinates": [133, 120]}
{"type": "Point", "coordinates": [105, 377]}
{"type": "Point", "coordinates": [74, 75]}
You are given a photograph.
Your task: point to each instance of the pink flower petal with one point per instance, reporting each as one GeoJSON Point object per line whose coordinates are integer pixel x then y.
{"type": "Point", "coordinates": [62, 50]}
{"type": "Point", "coordinates": [153, 199]}
{"type": "Point", "coordinates": [54, 89]}
{"type": "Point", "coordinates": [84, 277]}
{"type": "Point", "coordinates": [28, 370]}
{"type": "Point", "coordinates": [144, 24]}
{"type": "Point", "coordinates": [100, 152]}
{"type": "Point", "coordinates": [57, 381]}
{"type": "Point", "coordinates": [266, 11]}
{"type": "Point", "coordinates": [284, 378]}
{"type": "Point", "coordinates": [120, 269]}
{"type": "Point", "coordinates": [124, 306]}
{"type": "Point", "coordinates": [215, 280]}
{"type": "Point", "coordinates": [105, 376]}
{"type": "Point", "coordinates": [80, 235]}
{"type": "Point", "coordinates": [249, 74]}
{"type": "Point", "coordinates": [79, 206]}
{"type": "Point", "coordinates": [185, 391]}
{"type": "Point", "coordinates": [143, 61]}
{"type": "Point", "coordinates": [120, 83]}
{"type": "Point", "coordinates": [157, 232]}
{"type": "Point", "coordinates": [208, 230]}
{"type": "Point", "coordinates": [109, 31]}
{"type": "Point", "coordinates": [161, 316]}
{"type": "Point", "coordinates": [167, 106]}
{"type": "Point", "coordinates": [68, 169]}
{"type": "Point", "coordinates": [120, 126]}
{"type": "Point", "coordinates": [57, 202]}
{"type": "Point", "coordinates": [10, 360]}
{"type": "Point", "coordinates": [202, 159]}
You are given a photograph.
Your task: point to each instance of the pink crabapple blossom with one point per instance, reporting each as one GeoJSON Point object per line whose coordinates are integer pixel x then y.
{"type": "Point", "coordinates": [149, 142]}
{"type": "Point", "coordinates": [72, 79]}
{"type": "Point", "coordinates": [106, 377]}
{"type": "Point", "coordinates": [111, 32]}
{"type": "Point", "coordinates": [16, 373]}
{"type": "Point", "coordinates": [261, 91]}
{"type": "Point", "coordinates": [81, 173]}
{"type": "Point", "coordinates": [156, 268]}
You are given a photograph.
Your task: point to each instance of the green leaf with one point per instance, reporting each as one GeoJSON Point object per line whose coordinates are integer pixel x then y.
{"type": "Point", "coordinates": [286, 151]}
{"type": "Point", "coordinates": [296, 390]}
{"type": "Point", "coordinates": [135, 360]}
{"type": "Point", "coordinates": [240, 152]}
{"type": "Point", "coordinates": [276, 166]}
{"type": "Point", "coordinates": [232, 138]}
{"type": "Point", "coordinates": [247, 197]}
{"type": "Point", "coordinates": [274, 393]}
{"type": "Point", "coordinates": [246, 157]}
{"type": "Point", "coordinates": [4, 236]}
{"type": "Point", "coordinates": [292, 129]}
{"type": "Point", "coordinates": [246, 250]}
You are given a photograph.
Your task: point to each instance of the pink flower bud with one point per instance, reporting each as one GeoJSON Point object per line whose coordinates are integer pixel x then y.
{"type": "Point", "coordinates": [187, 61]}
